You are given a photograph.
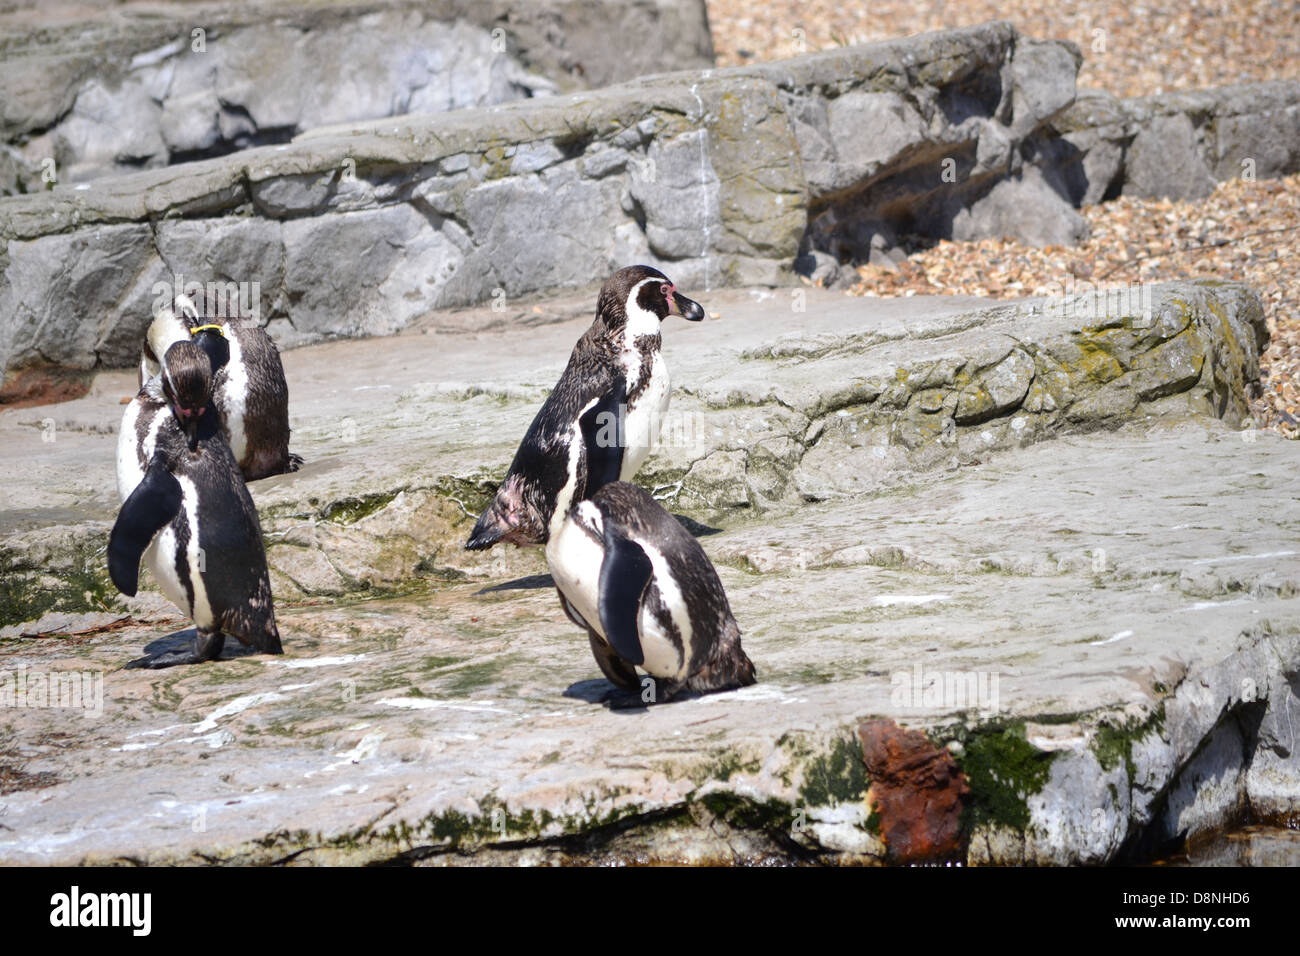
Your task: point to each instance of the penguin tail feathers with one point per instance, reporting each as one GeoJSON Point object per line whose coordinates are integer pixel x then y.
{"type": "Point", "coordinates": [728, 666]}
{"type": "Point", "coordinates": [269, 641]}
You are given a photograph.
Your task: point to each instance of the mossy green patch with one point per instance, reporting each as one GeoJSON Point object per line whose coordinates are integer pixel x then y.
{"type": "Point", "coordinates": [438, 663]}
{"type": "Point", "coordinates": [742, 813]}
{"type": "Point", "coordinates": [352, 509]}
{"type": "Point", "coordinates": [1113, 741]}
{"type": "Point", "coordinates": [723, 766]}
{"type": "Point", "coordinates": [26, 592]}
{"type": "Point", "coordinates": [835, 777]}
{"type": "Point", "coordinates": [1003, 770]}
{"type": "Point", "coordinates": [472, 677]}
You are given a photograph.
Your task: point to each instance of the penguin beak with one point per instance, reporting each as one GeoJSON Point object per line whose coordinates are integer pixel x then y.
{"type": "Point", "coordinates": [189, 424]}
{"type": "Point", "coordinates": [688, 309]}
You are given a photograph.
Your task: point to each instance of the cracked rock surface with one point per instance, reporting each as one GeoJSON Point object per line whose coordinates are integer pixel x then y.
{"type": "Point", "coordinates": [1095, 612]}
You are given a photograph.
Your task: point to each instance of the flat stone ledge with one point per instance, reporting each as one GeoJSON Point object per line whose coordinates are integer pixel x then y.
{"type": "Point", "coordinates": [1109, 625]}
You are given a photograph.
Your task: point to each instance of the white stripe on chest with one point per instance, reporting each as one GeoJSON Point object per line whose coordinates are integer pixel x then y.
{"type": "Point", "coordinates": [161, 559]}
{"type": "Point", "coordinates": [133, 455]}
{"type": "Point", "coordinates": [233, 398]}
{"type": "Point", "coordinates": [645, 419]}
{"type": "Point", "coordinates": [662, 658]}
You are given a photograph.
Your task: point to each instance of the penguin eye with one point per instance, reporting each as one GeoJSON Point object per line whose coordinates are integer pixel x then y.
{"type": "Point", "coordinates": [667, 290]}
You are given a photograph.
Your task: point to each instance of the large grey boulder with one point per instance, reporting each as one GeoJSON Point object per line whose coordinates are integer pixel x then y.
{"type": "Point", "coordinates": [362, 227]}
{"type": "Point", "coordinates": [720, 177]}
{"type": "Point", "coordinates": [1177, 145]}
{"type": "Point", "coordinates": [151, 84]}
{"type": "Point", "coordinates": [905, 137]}
{"type": "Point", "coordinates": [1163, 161]}
{"type": "Point", "coordinates": [356, 230]}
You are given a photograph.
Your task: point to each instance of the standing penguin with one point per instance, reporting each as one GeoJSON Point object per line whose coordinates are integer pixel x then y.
{"type": "Point", "coordinates": [648, 597]}
{"type": "Point", "coordinates": [188, 513]}
{"type": "Point", "coordinates": [615, 387]}
{"type": "Point", "coordinates": [248, 382]}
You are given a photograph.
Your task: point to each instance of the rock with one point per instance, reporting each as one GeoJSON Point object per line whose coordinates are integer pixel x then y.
{"type": "Point", "coordinates": [409, 659]}
{"type": "Point", "coordinates": [1177, 144]}
{"type": "Point", "coordinates": [868, 132]}
{"type": "Point", "coordinates": [1042, 83]}
{"type": "Point", "coordinates": [126, 88]}
{"type": "Point", "coordinates": [108, 273]}
{"type": "Point", "coordinates": [479, 682]}
{"type": "Point", "coordinates": [918, 791]}
{"type": "Point", "coordinates": [963, 134]}
{"type": "Point", "coordinates": [1164, 162]}
{"type": "Point", "coordinates": [1024, 207]}
{"type": "Point", "coordinates": [688, 171]}
{"type": "Point", "coordinates": [818, 267]}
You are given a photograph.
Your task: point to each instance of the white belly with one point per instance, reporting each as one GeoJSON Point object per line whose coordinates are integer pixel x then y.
{"type": "Point", "coordinates": [645, 420]}
{"type": "Point", "coordinates": [160, 558]}
{"type": "Point", "coordinates": [129, 471]}
{"type": "Point", "coordinates": [575, 561]}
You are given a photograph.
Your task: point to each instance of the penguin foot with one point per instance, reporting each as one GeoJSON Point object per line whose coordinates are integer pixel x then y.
{"type": "Point", "coordinates": [653, 690]}
{"type": "Point", "coordinates": [619, 699]}
{"type": "Point", "coordinates": [207, 647]}
{"type": "Point", "coordinates": [295, 462]}
{"type": "Point", "coordinates": [167, 659]}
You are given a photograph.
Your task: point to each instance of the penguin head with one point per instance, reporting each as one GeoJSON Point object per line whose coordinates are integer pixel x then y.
{"type": "Point", "coordinates": [640, 294]}
{"type": "Point", "coordinates": [187, 385]}
{"type": "Point", "coordinates": [171, 323]}
{"type": "Point", "coordinates": [516, 515]}
{"type": "Point", "coordinates": [529, 500]}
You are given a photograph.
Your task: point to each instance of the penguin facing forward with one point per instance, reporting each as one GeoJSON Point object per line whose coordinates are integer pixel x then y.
{"type": "Point", "coordinates": [648, 597]}
{"type": "Point", "coordinates": [249, 387]}
{"type": "Point", "coordinates": [615, 387]}
{"type": "Point", "coordinates": [188, 514]}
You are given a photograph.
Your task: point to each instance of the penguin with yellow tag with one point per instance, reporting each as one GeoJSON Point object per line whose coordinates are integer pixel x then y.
{"type": "Point", "coordinates": [249, 388]}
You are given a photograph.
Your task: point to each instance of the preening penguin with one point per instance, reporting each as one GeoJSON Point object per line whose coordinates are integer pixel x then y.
{"type": "Point", "coordinates": [648, 597]}
{"type": "Point", "coordinates": [616, 382]}
{"type": "Point", "coordinates": [249, 387]}
{"type": "Point", "coordinates": [188, 514]}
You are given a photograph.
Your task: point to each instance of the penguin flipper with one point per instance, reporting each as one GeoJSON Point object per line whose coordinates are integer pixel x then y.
{"type": "Point", "coordinates": [624, 575]}
{"type": "Point", "coordinates": [150, 507]}
{"type": "Point", "coordinates": [602, 432]}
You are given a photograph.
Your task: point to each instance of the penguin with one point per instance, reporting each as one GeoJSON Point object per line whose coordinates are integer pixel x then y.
{"type": "Point", "coordinates": [248, 386]}
{"type": "Point", "coordinates": [648, 596]}
{"type": "Point", "coordinates": [617, 383]}
{"type": "Point", "coordinates": [187, 512]}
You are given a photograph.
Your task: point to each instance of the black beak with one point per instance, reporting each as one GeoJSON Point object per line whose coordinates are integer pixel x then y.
{"type": "Point", "coordinates": [192, 432]}
{"type": "Point", "coordinates": [688, 309]}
